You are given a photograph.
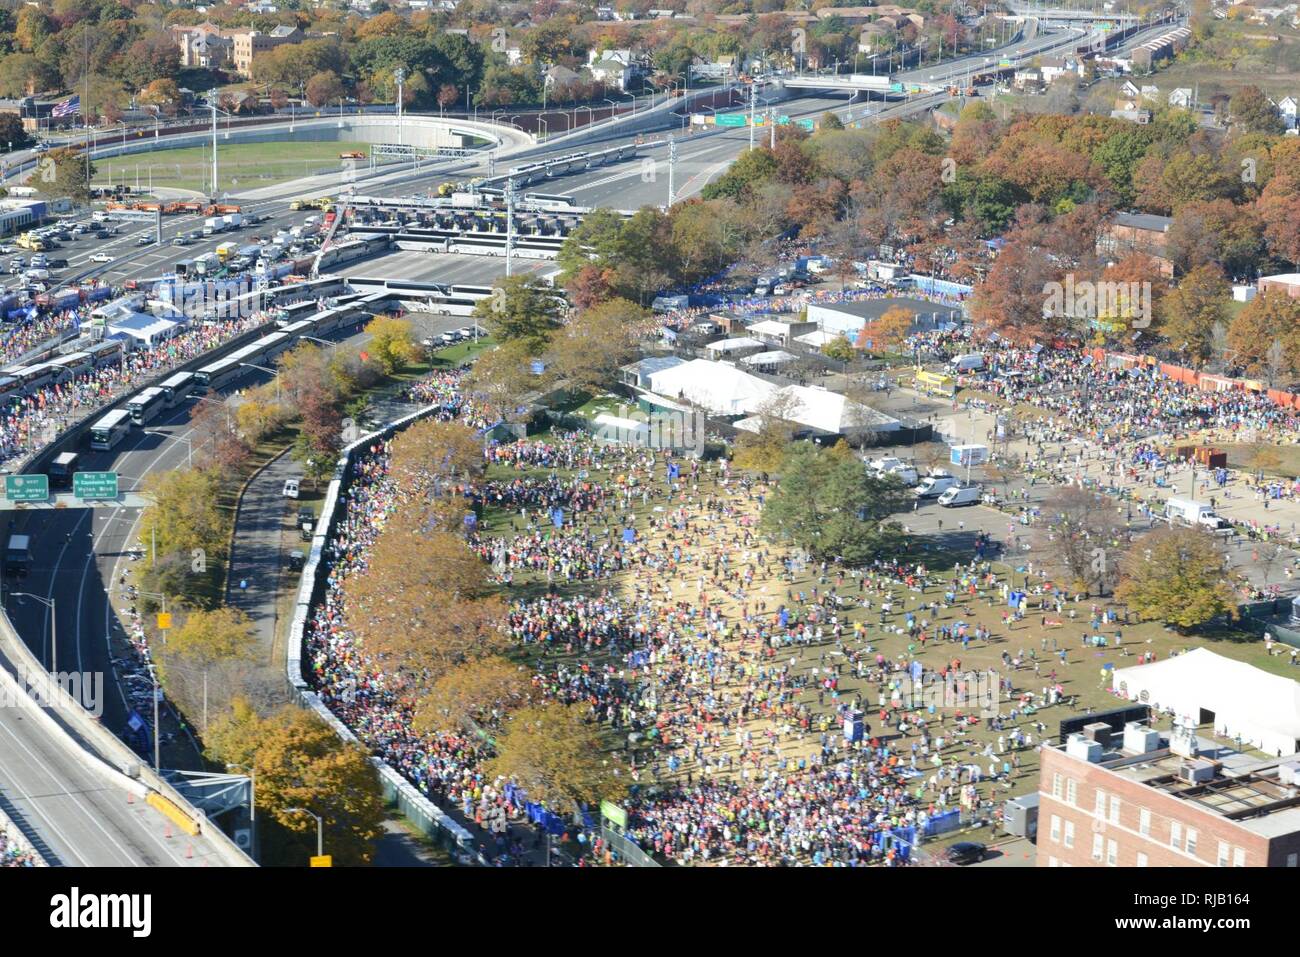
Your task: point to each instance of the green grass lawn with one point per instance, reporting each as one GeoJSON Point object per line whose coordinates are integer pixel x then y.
{"type": "Point", "coordinates": [239, 166]}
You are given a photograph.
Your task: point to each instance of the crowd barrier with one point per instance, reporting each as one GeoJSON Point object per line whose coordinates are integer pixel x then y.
{"type": "Point", "coordinates": [1208, 381]}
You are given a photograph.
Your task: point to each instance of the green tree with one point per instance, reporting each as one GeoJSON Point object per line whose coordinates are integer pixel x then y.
{"type": "Point", "coordinates": [589, 350]}
{"type": "Point", "coordinates": [839, 349]}
{"type": "Point", "coordinates": [1252, 109]}
{"type": "Point", "coordinates": [521, 308]}
{"type": "Point", "coordinates": [1177, 576]}
{"type": "Point", "coordinates": [184, 513]}
{"type": "Point", "coordinates": [828, 505]}
{"type": "Point", "coordinates": [1190, 312]}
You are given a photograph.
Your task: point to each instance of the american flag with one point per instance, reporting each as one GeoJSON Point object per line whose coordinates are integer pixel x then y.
{"type": "Point", "coordinates": [68, 107]}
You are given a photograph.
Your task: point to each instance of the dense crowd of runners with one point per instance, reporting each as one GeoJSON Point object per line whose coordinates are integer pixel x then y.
{"type": "Point", "coordinates": [728, 667]}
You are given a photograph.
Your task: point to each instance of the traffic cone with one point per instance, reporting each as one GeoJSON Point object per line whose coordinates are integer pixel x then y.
{"type": "Point", "coordinates": [167, 830]}
{"type": "Point", "coordinates": [189, 852]}
{"type": "Point", "coordinates": [130, 797]}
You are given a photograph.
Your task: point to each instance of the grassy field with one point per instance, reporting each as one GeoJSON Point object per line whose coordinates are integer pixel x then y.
{"type": "Point", "coordinates": [240, 166]}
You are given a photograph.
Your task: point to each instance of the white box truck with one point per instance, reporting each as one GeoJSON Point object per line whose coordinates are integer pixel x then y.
{"type": "Point", "coordinates": [961, 495]}
{"type": "Point", "coordinates": [964, 455]}
{"type": "Point", "coordinates": [233, 220]}
{"type": "Point", "coordinates": [1187, 512]}
{"type": "Point", "coordinates": [213, 225]}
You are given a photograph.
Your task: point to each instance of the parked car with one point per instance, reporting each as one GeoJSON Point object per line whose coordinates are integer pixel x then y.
{"type": "Point", "coordinates": [290, 488]}
{"type": "Point", "coordinates": [965, 852]}
{"type": "Point", "coordinates": [102, 234]}
{"type": "Point", "coordinates": [101, 258]}
{"type": "Point", "coordinates": [144, 241]}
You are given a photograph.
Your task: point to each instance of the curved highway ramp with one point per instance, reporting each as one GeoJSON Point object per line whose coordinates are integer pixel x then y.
{"type": "Point", "coordinates": [78, 794]}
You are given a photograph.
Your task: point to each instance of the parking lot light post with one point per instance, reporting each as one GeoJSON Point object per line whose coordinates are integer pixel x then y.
{"type": "Point", "coordinates": [54, 622]}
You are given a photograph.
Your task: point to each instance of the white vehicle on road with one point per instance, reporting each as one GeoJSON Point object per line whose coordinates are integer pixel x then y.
{"type": "Point", "coordinates": [290, 488]}
{"type": "Point", "coordinates": [101, 258]}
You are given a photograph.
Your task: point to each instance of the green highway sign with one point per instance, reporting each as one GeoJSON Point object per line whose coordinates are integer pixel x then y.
{"type": "Point", "coordinates": [732, 119]}
{"type": "Point", "coordinates": [27, 488]}
{"type": "Point", "coordinates": [94, 484]}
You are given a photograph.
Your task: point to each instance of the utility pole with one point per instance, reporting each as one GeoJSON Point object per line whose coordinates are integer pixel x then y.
{"type": "Point", "coordinates": [771, 121]}
{"type": "Point", "coordinates": [753, 95]}
{"type": "Point", "coordinates": [510, 222]}
{"type": "Point", "coordinates": [212, 102]}
{"type": "Point", "coordinates": [672, 170]}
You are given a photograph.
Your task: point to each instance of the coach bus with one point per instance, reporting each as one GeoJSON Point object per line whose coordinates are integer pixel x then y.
{"type": "Point", "coordinates": [177, 388]}
{"type": "Point", "coordinates": [144, 408]}
{"type": "Point", "coordinates": [106, 353]}
{"type": "Point", "coordinates": [110, 430]}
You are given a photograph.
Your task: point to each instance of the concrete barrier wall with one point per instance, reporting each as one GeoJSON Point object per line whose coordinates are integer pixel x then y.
{"type": "Point", "coordinates": [421, 811]}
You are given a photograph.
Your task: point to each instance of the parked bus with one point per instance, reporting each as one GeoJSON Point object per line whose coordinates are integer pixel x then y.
{"type": "Point", "coordinates": [75, 363]}
{"type": "Point", "coordinates": [178, 388]}
{"type": "Point", "coordinates": [110, 430]}
{"type": "Point", "coordinates": [10, 389]}
{"type": "Point", "coordinates": [106, 353]}
{"type": "Point", "coordinates": [32, 377]}
{"type": "Point", "coordinates": [144, 408]}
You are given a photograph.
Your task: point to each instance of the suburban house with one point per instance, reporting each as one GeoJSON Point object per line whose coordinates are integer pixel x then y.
{"type": "Point", "coordinates": [1181, 97]}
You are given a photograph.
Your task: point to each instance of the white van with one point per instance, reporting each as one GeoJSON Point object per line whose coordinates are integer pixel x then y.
{"type": "Point", "coordinates": [933, 486]}
{"type": "Point", "coordinates": [972, 362]}
{"type": "Point", "coordinates": [885, 464]}
{"type": "Point", "coordinates": [961, 495]}
{"type": "Point", "coordinates": [904, 473]}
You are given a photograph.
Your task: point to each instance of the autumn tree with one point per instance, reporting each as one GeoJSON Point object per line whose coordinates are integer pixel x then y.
{"type": "Point", "coordinates": [471, 691]}
{"type": "Point", "coordinates": [558, 758]}
{"type": "Point", "coordinates": [300, 762]}
{"type": "Point", "coordinates": [183, 513]}
{"type": "Point", "coordinates": [1189, 313]}
{"type": "Point", "coordinates": [588, 351]}
{"type": "Point", "coordinates": [1080, 532]}
{"type": "Point", "coordinates": [206, 640]}
{"type": "Point", "coordinates": [391, 343]}
{"type": "Point", "coordinates": [1265, 336]}
{"type": "Point", "coordinates": [1252, 110]}
{"type": "Point", "coordinates": [764, 449]}
{"type": "Point", "coordinates": [1177, 576]}
{"type": "Point", "coordinates": [419, 606]}
{"type": "Point", "coordinates": [1012, 300]}
{"type": "Point", "coordinates": [503, 377]}
{"type": "Point", "coordinates": [428, 451]}
{"type": "Point", "coordinates": [63, 172]}
{"type": "Point", "coordinates": [889, 331]}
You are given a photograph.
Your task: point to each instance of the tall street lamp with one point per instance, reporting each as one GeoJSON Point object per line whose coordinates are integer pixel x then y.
{"type": "Point", "coordinates": [320, 825]}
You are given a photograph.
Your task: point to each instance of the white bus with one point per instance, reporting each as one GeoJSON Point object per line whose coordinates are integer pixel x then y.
{"type": "Point", "coordinates": [110, 430]}
{"type": "Point", "coordinates": [177, 388]}
{"type": "Point", "coordinates": [145, 407]}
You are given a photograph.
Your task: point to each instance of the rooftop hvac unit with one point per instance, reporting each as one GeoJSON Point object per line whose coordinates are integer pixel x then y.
{"type": "Point", "coordinates": [1077, 746]}
{"type": "Point", "coordinates": [1197, 772]}
{"type": "Point", "coordinates": [1098, 731]}
{"type": "Point", "coordinates": [1139, 739]}
{"type": "Point", "coordinates": [1289, 772]}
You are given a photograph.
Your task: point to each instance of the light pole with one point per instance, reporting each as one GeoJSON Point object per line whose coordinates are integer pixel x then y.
{"type": "Point", "coordinates": [272, 372]}
{"type": "Point", "coordinates": [546, 85]}
{"type": "Point", "coordinates": [212, 102]}
{"type": "Point", "coordinates": [320, 825]}
{"type": "Point", "coordinates": [189, 447]}
{"type": "Point", "coordinates": [54, 634]}
{"type": "Point", "coordinates": [400, 76]}
{"type": "Point", "coordinates": [252, 802]}
{"type": "Point", "coordinates": [633, 96]}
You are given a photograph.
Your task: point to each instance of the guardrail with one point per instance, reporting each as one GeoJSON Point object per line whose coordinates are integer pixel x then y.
{"type": "Point", "coordinates": [432, 820]}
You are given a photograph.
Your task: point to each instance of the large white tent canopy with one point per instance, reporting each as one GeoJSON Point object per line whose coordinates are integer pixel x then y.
{"type": "Point", "coordinates": [1263, 709]}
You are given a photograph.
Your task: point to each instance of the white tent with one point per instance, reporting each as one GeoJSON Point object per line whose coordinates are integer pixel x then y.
{"type": "Point", "coordinates": [768, 360]}
{"type": "Point", "coordinates": [1240, 699]}
{"type": "Point", "coordinates": [827, 411]}
{"type": "Point", "coordinates": [717, 387]}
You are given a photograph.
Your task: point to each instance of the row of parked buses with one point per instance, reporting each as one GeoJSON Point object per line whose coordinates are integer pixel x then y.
{"type": "Point", "coordinates": [18, 381]}
{"type": "Point", "coordinates": [144, 407]}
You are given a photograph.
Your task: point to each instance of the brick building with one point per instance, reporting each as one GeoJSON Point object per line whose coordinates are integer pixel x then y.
{"type": "Point", "coordinates": [1140, 232]}
{"type": "Point", "coordinates": [1137, 797]}
{"type": "Point", "coordinates": [252, 42]}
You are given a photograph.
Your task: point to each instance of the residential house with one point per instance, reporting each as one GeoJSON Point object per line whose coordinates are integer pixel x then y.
{"type": "Point", "coordinates": [203, 46]}
{"type": "Point", "coordinates": [1182, 97]}
{"type": "Point", "coordinates": [1150, 93]}
{"type": "Point", "coordinates": [1050, 67]}
{"type": "Point", "coordinates": [1287, 108]}
{"type": "Point", "coordinates": [1130, 90]}
{"type": "Point", "coordinates": [611, 72]}
{"type": "Point", "coordinates": [561, 76]}
{"type": "Point", "coordinates": [1140, 117]}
